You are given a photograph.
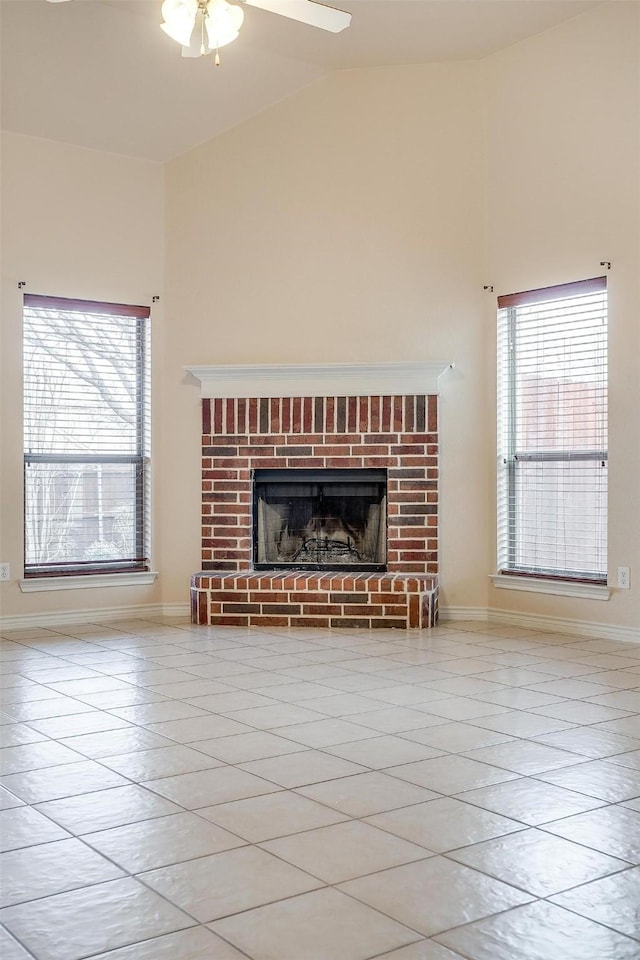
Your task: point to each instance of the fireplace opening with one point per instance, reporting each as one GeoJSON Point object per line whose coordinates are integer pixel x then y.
{"type": "Point", "coordinates": [320, 519]}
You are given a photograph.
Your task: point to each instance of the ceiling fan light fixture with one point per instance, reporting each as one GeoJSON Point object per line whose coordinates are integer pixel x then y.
{"type": "Point", "coordinates": [179, 18]}
{"type": "Point", "coordinates": [223, 21]}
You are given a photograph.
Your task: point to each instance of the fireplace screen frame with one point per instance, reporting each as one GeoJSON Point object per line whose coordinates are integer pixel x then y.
{"type": "Point", "coordinates": [369, 475]}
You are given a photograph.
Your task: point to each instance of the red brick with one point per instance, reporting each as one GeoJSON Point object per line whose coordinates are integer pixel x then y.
{"type": "Point", "coordinates": [344, 439]}
{"type": "Point", "coordinates": [385, 597]}
{"type": "Point", "coordinates": [362, 610]}
{"type": "Point", "coordinates": [348, 622]}
{"type": "Point", "coordinates": [385, 420]}
{"type": "Point", "coordinates": [352, 414]}
{"type": "Point", "coordinates": [359, 597]}
{"type": "Point", "coordinates": [417, 509]}
{"type": "Point", "coordinates": [412, 496]}
{"type": "Point", "coordinates": [202, 608]}
{"type": "Point", "coordinates": [253, 416]}
{"type": "Point", "coordinates": [432, 414]}
{"type": "Point", "coordinates": [396, 609]}
{"type": "Point", "coordinates": [218, 496]}
{"type": "Point", "coordinates": [269, 596]}
{"type": "Point", "coordinates": [322, 450]}
{"type": "Point", "coordinates": [416, 438]}
{"type": "Point", "coordinates": [405, 473]}
{"type": "Point", "coordinates": [227, 621]}
{"type": "Point", "coordinates": [230, 509]}
{"type": "Point", "coordinates": [257, 450]}
{"type": "Point", "coordinates": [371, 450]}
{"type": "Point", "coordinates": [217, 543]}
{"type": "Point", "coordinates": [414, 610]}
{"type": "Point", "coordinates": [217, 416]}
{"type": "Point", "coordinates": [230, 527]}
{"type": "Point", "coordinates": [206, 416]}
{"type": "Point", "coordinates": [299, 462]}
{"type": "Point", "coordinates": [259, 620]}
{"type": "Point", "coordinates": [286, 414]}
{"type": "Point", "coordinates": [294, 451]}
{"type": "Point", "coordinates": [375, 413]}
{"type": "Point", "coordinates": [235, 485]}
{"type": "Point", "coordinates": [397, 413]}
{"type": "Point", "coordinates": [220, 474]}
{"type": "Point", "coordinates": [280, 608]}
{"type": "Point", "coordinates": [345, 462]}
{"type": "Point", "coordinates": [408, 485]}
{"type": "Point", "coordinates": [276, 426]}
{"type": "Point", "coordinates": [408, 449]}
{"type": "Point", "coordinates": [307, 414]}
{"type": "Point", "coordinates": [409, 413]}
{"type": "Point", "coordinates": [263, 463]}
{"type": "Point", "coordinates": [330, 609]}
{"type": "Point", "coordinates": [363, 414]}
{"type": "Point", "coordinates": [388, 624]}
{"type": "Point", "coordinates": [330, 423]}
{"type": "Point", "coordinates": [297, 419]}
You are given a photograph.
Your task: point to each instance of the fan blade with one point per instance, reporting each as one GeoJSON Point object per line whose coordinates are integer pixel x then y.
{"type": "Point", "coordinates": [307, 11]}
{"type": "Point", "coordinates": [57, 1]}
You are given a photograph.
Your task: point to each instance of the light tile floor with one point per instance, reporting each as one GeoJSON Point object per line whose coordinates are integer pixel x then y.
{"type": "Point", "coordinates": [172, 792]}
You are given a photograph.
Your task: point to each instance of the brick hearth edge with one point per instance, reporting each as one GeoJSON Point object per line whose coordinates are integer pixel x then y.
{"type": "Point", "coordinates": [398, 433]}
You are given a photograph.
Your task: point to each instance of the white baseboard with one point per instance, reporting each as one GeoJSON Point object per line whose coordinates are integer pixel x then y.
{"type": "Point", "coordinates": [176, 609]}
{"type": "Point", "coordinates": [141, 610]}
{"type": "Point", "coordinates": [463, 613]}
{"type": "Point", "coordinates": [149, 611]}
{"type": "Point", "coordinates": [534, 621]}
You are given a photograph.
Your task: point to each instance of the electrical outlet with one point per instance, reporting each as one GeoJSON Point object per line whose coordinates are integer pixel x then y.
{"type": "Point", "coordinates": [5, 571]}
{"type": "Point", "coordinates": [624, 578]}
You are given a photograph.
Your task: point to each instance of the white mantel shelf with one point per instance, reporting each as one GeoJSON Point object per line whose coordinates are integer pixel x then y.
{"type": "Point", "coordinates": [319, 379]}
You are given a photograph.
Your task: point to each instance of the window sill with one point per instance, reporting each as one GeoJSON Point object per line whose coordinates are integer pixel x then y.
{"type": "Point", "coordinates": [39, 584]}
{"type": "Point", "coordinates": [561, 588]}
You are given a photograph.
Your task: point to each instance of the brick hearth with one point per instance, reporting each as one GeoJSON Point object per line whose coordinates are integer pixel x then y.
{"type": "Point", "coordinates": [399, 433]}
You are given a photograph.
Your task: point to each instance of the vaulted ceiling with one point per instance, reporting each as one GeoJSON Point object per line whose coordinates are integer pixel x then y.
{"type": "Point", "coordinates": [101, 74]}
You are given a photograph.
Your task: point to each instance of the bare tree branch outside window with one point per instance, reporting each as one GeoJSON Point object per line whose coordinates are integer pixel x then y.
{"type": "Point", "coordinates": [85, 436]}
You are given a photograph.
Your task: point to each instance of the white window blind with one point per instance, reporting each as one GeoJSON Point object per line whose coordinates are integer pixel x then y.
{"type": "Point", "coordinates": [552, 431]}
{"type": "Point", "coordinates": [86, 436]}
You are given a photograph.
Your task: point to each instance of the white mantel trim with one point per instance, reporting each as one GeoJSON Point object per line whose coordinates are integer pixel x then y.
{"type": "Point", "coordinates": [318, 379]}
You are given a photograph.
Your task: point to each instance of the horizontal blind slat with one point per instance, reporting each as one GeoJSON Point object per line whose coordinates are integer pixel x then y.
{"type": "Point", "coordinates": [85, 434]}
{"type": "Point", "coordinates": [552, 430]}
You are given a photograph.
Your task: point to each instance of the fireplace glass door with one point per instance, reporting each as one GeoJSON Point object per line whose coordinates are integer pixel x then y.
{"type": "Point", "coordinates": [320, 519]}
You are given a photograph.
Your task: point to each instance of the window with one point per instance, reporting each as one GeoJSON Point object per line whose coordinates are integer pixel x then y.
{"type": "Point", "coordinates": [86, 436]}
{"type": "Point", "coordinates": [552, 432]}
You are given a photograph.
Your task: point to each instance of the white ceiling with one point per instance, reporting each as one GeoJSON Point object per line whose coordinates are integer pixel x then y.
{"type": "Point", "coordinates": [101, 74]}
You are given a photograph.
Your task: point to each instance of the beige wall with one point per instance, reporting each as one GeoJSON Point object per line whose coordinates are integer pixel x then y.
{"type": "Point", "coordinates": [358, 221]}
{"type": "Point", "coordinates": [75, 223]}
{"type": "Point", "coordinates": [563, 194]}
{"type": "Point", "coordinates": [343, 225]}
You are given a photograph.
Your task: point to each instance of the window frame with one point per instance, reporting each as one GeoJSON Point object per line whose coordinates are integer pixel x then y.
{"type": "Point", "coordinates": [511, 456]}
{"type": "Point", "coordinates": [140, 460]}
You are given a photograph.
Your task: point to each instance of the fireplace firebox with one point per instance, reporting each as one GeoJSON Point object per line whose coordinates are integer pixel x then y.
{"type": "Point", "coordinates": [320, 519]}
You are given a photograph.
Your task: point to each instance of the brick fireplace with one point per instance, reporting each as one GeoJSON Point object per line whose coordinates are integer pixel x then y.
{"type": "Point", "coordinates": [395, 432]}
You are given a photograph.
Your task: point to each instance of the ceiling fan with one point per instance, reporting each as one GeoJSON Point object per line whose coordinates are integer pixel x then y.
{"type": "Point", "coordinates": [202, 26]}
